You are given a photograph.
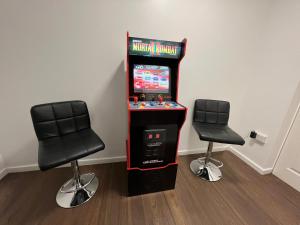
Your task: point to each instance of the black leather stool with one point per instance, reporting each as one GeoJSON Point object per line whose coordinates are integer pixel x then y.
{"type": "Point", "coordinates": [211, 123]}
{"type": "Point", "coordinates": [65, 135]}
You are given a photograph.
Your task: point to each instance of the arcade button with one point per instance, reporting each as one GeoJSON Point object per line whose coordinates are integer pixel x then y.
{"type": "Point", "coordinates": [142, 105]}
{"type": "Point", "coordinates": [152, 104]}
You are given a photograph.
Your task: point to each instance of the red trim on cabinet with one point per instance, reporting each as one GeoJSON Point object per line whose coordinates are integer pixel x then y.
{"type": "Point", "coordinates": [154, 168]}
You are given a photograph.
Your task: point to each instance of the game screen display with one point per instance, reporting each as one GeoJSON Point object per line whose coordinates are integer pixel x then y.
{"type": "Point", "coordinates": [151, 79]}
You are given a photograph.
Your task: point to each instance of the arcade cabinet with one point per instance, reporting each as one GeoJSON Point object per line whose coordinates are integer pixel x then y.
{"type": "Point", "coordinates": [154, 115]}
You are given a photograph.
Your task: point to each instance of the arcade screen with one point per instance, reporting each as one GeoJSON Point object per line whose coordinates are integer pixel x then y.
{"type": "Point", "coordinates": [151, 79]}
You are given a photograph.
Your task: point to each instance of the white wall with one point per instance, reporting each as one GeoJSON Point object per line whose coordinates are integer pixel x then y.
{"type": "Point", "coordinates": [273, 84]}
{"type": "Point", "coordinates": [70, 49]}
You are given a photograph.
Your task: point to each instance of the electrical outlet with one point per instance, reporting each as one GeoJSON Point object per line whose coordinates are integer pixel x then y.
{"type": "Point", "coordinates": [261, 137]}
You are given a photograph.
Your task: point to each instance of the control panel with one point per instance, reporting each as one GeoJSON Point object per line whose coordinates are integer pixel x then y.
{"type": "Point", "coordinates": [138, 105]}
{"type": "Point", "coordinates": [154, 97]}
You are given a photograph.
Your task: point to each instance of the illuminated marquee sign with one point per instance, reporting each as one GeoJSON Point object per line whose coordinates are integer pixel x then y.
{"type": "Point", "coordinates": [154, 48]}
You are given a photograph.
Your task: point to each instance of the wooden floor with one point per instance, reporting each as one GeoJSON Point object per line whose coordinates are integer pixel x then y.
{"type": "Point", "coordinates": [241, 197]}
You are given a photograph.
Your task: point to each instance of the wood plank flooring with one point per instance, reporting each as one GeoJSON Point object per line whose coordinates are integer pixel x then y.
{"type": "Point", "coordinates": [241, 197]}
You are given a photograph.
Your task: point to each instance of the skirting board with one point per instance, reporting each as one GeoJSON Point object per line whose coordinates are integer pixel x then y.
{"type": "Point", "coordinates": [202, 150]}
{"type": "Point", "coordinates": [83, 162]}
{"type": "Point", "coordinates": [3, 173]}
{"type": "Point", "coordinates": [254, 165]}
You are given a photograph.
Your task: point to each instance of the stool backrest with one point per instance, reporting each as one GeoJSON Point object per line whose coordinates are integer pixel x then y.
{"type": "Point", "coordinates": [59, 118]}
{"type": "Point", "coordinates": [211, 111]}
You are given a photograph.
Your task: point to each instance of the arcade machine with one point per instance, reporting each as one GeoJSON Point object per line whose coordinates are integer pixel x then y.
{"type": "Point", "coordinates": [154, 115]}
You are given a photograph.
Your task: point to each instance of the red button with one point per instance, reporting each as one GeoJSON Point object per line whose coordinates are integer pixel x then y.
{"type": "Point", "coordinates": [157, 136]}
{"type": "Point", "coordinates": [150, 136]}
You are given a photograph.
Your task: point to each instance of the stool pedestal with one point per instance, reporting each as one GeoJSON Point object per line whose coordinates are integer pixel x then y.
{"type": "Point", "coordinates": [205, 169]}
{"type": "Point", "coordinates": [78, 189]}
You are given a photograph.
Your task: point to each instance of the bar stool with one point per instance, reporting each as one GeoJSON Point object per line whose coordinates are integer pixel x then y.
{"type": "Point", "coordinates": [211, 124]}
{"type": "Point", "coordinates": [64, 133]}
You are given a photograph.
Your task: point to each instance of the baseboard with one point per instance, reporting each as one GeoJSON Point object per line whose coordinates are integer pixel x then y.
{"type": "Point", "coordinates": [3, 173]}
{"type": "Point", "coordinates": [202, 150]}
{"type": "Point", "coordinates": [33, 167]}
{"type": "Point", "coordinates": [250, 162]}
{"type": "Point", "coordinates": [92, 161]}
{"type": "Point", "coordinates": [23, 168]}
{"type": "Point", "coordinates": [104, 160]}
{"type": "Point", "coordinates": [83, 162]}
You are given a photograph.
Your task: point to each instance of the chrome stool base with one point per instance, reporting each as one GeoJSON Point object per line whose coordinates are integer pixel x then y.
{"type": "Point", "coordinates": [205, 169]}
{"type": "Point", "coordinates": [77, 190]}
{"type": "Point", "coordinates": [209, 172]}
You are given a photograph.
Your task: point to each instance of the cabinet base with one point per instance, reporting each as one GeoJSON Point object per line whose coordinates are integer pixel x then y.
{"type": "Point", "coordinates": [142, 182]}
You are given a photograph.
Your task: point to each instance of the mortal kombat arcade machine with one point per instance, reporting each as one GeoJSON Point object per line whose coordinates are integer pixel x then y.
{"type": "Point", "coordinates": [154, 115]}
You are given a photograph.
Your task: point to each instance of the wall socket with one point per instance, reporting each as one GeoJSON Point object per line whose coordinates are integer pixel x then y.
{"type": "Point", "coordinates": [259, 136]}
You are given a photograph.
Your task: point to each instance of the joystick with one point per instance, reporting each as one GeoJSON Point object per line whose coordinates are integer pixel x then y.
{"type": "Point", "coordinates": [160, 99]}
{"type": "Point", "coordinates": [135, 100]}
{"type": "Point", "coordinates": [142, 97]}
